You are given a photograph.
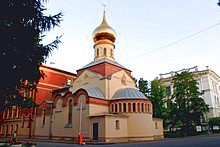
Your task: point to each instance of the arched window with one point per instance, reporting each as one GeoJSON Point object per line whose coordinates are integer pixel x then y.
{"type": "Point", "coordinates": [112, 107]}
{"type": "Point", "coordinates": [116, 108]}
{"type": "Point", "coordinates": [11, 113]}
{"type": "Point", "coordinates": [15, 112]}
{"type": "Point", "coordinates": [129, 107]}
{"type": "Point", "coordinates": [120, 107]}
{"type": "Point", "coordinates": [124, 107]}
{"type": "Point", "coordinates": [134, 107]}
{"type": "Point", "coordinates": [59, 105]}
{"type": "Point", "coordinates": [4, 112]}
{"type": "Point", "coordinates": [6, 131]}
{"type": "Point", "coordinates": [8, 113]}
{"type": "Point", "coordinates": [70, 112]}
{"type": "Point", "coordinates": [29, 121]}
{"type": "Point", "coordinates": [142, 107]}
{"type": "Point", "coordinates": [22, 125]}
{"type": "Point", "coordinates": [3, 129]}
{"type": "Point", "coordinates": [148, 108]}
{"type": "Point", "coordinates": [138, 106]}
{"type": "Point", "coordinates": [97, 52]}
{"type": "Point", "coordinates": [111, 52]}
{"type": "Point", "coordinates": [11, 129]}
{"type": "Point", "coordinates": [156, 126]}
{"type": "Point", "coordinates": [105, 51]}
{"type": "Point", "coordinates": [16, 129]}
{"type": "Point", "coordinates": [43, 118]}
{"type": "Point", "coordinates": [19, 112]}
{"type": "Point", "coordinates": [117, 127]}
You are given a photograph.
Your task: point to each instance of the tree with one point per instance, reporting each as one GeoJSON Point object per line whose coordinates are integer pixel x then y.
{"type": "Point", "coordinates": [135, 81]}
{"type": "Point", "coordinates": [215, 121]}
{"type": "Point", "coordinates": [188, 106]}
{"type": "Point", "coordinates": [143, 86]}
{"type": "Point", "coordinates": [22, 24]}
{"type": "Point", "coordinates": [158, 95]}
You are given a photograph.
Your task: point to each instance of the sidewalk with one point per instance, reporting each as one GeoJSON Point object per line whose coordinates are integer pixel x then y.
{"type": "Point", "coordinates": [197, 136]}
{"type": "Point", "coordinates": [34, 141]}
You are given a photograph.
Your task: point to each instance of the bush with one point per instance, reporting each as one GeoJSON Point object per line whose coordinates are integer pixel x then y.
{"type": "Point", "coordinates": [215, 121]}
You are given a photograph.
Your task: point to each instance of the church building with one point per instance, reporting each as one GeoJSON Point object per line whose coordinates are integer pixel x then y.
{"type": "Point", "coordinates": [103, 103]}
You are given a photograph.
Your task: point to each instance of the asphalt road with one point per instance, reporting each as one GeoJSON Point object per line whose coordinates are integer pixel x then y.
{"type": "Point", "coordinates": [179, 142]}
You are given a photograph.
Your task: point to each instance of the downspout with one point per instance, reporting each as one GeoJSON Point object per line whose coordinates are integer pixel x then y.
{"type": "Point", "coordinates": [35, 114]}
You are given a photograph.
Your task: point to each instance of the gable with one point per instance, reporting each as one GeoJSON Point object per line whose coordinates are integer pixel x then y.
{"type": "Point", "coordinates": [85, 79]}
{"type": "Point", "coordinates": [104, 68]}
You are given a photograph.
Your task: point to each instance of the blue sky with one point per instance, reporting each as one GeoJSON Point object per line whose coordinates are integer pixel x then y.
{"type": "Point", "coordinates": [143, 28]}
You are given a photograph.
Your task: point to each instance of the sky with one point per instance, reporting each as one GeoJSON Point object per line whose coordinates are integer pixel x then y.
{"type": "Point", "coordinates": [153, 37]}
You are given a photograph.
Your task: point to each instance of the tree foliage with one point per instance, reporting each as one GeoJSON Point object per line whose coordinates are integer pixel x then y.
{"type": "Point", "coordinates": [143, 86]}
{"type": "Point", "coordinates": [157, 95]}
{"type": "Point", "coordinates": [22, 24]}
{"type": "Point", "coordinates": [135, 81]}
{"type": "Point", "coordinates": [187, 105]}
{"type": "Point", "coordinates": [182, 108]}
{"type": "Point", "coordinates": [215, 121]}
{"type": "Point", "coordinates": [155, 92]}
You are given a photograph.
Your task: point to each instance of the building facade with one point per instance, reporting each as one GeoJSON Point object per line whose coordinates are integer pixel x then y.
{"type": "Point", "coordinates": [23, 120]}
{"type": "Point", "coordinates": [102, 105]}
{"type": "Point", "coordinates": [208, 83]}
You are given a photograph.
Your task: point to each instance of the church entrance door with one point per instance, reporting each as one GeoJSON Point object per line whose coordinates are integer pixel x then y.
{"type": "Point", "coordinates": [95, 131]}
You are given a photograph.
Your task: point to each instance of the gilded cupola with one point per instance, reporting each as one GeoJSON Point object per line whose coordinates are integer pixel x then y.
{"type": "Point", "coordinates": [104, 31]}
{"type": "Point", "coordinates": [104, 37]}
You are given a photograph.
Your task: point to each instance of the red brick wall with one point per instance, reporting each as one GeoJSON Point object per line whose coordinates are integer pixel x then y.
{"type": "Point", "coordinates": [41, 95]}
{"type": "Point", "coordinates": [54, 79]}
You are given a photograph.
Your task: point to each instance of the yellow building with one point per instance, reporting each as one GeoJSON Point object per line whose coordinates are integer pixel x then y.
{"type": "Point", "coordinates": [103, 103]}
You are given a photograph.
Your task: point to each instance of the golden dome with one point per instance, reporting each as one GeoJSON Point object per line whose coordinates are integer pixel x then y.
{"type": "Point", "coordinates": [104, 31]}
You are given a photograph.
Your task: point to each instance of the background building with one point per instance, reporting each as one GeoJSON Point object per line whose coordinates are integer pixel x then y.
{"type": "Point", "coordinates": [208, 83]}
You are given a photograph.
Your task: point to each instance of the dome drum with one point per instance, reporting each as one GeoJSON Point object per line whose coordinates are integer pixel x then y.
{"type": "Point", "coordinates": [131, 106]}
{"type": "Point", "coordinates": [104, 42]}
{"type": "Point", "coordinates": [102, 36]}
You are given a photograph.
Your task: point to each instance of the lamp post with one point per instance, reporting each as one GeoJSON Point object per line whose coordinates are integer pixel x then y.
{"type": "Point", "coordinates": [51, 114]}
{"type": "Point", "coordinates": [80, 137]}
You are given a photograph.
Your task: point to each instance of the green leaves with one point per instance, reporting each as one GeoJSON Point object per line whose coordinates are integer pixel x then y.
{"type": "Point", "coordinates": [22, 24]}
{"type": "Point", "coordinates": [157, 95]}
{"type": "Point", "coordinates": [143, 86]}
{"type": "Point", "coordinates": [215, 121]}
{"type": "Point", "coordinates": [156, 92]}
{"type": "Point", "coordinates": [187, 103]}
